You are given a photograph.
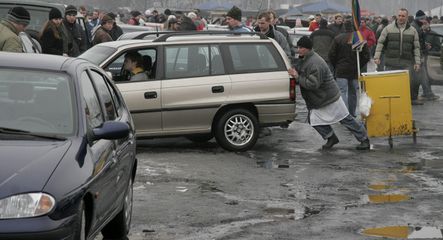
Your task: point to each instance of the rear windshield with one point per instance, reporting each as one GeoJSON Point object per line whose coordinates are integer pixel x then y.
{"type": "Point", "coordinates": [98, 54]}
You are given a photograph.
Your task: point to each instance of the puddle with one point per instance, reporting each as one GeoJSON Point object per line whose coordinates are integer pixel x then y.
{"type": "Point", "coordinates": [405, 232]}
{"type": "Point", "coordinates": [388, 198]}
{"type": "Point", "coordinates": [379, 187]}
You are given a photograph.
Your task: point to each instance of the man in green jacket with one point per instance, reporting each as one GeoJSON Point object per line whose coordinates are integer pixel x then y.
{"type": "Point", "coordinates": [400, 43]}
{"type": "Point", "coordinates": [16, 21]}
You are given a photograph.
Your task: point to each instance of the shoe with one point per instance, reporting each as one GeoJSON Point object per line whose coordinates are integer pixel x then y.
{"type": "Point", "coordinates": [332, 140]}
{"type": "Point", "coordinates": [432, 97]}
{"type": "Point", "coordinates": [364, 145]}
{"type": "Point", "coordinates": [417, 102]}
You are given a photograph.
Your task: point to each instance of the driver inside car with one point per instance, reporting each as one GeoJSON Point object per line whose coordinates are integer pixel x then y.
{"type": "Point", "coordinates": [134, 65]}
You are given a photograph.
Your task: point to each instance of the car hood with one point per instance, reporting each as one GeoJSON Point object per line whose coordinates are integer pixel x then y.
{"type": "Point", "coordinates": [25, 166]}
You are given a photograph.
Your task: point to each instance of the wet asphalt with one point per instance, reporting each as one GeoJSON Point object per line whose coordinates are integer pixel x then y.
{"type": "Point", "coordinates": [286, 187]}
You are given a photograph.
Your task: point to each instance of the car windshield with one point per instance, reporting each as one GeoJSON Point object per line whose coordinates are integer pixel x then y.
{"type": "Point", "coordinates": [98, 54]}
{"type": "Point", "coordinates": [37, 102]}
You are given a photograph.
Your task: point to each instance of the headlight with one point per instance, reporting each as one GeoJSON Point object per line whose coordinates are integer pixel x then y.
{"type": "Point", "coordinates": [26, 205]}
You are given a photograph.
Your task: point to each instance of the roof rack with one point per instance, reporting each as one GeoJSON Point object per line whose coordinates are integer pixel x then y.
{"type": "Point", "coordinates": [167, 35]}
{"type": "Point", "coordinates": [144, 34]}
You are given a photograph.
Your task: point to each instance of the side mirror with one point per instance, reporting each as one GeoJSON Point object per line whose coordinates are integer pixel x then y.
{"type": "Point", "coordinates": [111, 130]}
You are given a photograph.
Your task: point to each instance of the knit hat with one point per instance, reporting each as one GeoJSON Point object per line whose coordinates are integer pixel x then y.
{"type": "Point", "coordinates": [71, 10]}
{"type": "Point", "coordinates": [19, 15]}
{"type": "Point", "coordinates": [55, 14]}
{"type": "Point", "coordinates": [304, 42]}
{"type": "Point", "coordinates": [420, 15]}
{"type": "Point", "coordinates": [234, 13]}
{"type": "Point", "coordinates": [106, 18]}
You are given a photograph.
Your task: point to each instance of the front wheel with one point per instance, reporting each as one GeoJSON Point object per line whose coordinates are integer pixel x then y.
{"type": "Point", "coordinates": [237, 130]}
{"type": "Point", "coordinates": [120, 225]}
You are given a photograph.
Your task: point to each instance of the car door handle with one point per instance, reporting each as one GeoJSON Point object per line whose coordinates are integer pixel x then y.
{"type": "Point", "coordinates": [218, 89]}
{"type": "Point", "coordinates": [149, 95]}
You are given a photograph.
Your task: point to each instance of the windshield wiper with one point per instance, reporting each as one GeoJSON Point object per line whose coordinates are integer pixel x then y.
{"type": "Point", "coordinates": [5, 130]}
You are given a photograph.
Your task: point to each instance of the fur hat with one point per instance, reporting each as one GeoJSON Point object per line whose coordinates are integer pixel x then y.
{"type": "Point", "coordinates": [234, 13]}
{"type": "Point", "coordinates": [19, 15]}
{"type": "Point", "coordinates": [55, 14]}
{"type": "Point", "coordinates": [71, 10]}
{"type": "Point", "coordinates": [420, 15]}
{"type": "Point", "coordinates": [304, 42]}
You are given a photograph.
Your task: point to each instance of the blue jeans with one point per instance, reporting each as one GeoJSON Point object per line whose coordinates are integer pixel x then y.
{"type": "Point", "coordinates": [357, 129]}
{"type": "Point", "coordinates": [348, 90]}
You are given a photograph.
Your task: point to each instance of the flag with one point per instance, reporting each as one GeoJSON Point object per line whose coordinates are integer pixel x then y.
{"type": "Point", "coordinates": [357, 38]}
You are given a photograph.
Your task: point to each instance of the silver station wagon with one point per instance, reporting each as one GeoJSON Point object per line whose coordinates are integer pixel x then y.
{"type": "Point", "coordinates": [203, 85]}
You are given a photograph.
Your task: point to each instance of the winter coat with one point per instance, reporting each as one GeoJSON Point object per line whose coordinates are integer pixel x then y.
{"type": "Point", "coordinates": [369, 36]}
{"type": "Point", "coordinates": [317, 85]}
{"type": "Point", "coordinates": [50, 43]}
{"type": "Point", "coordinates": [401, 48]}
{"type": "Point", "coordinates": [115, 32]}
{"type": "Point", "coordinates": [75, 39]}
{"type": "Point", "coordinates": [278, 37]}
{"type": "Point", "coordinates": [344, 59]}
{"type": "Point", "coordinates": [101, 35]}
{"type": "Point", "coordinates": [337, 29]}
{"type": "Point", "coordinates": [9, 39]}
{"type": "Point", "coordinates": [321, 42]}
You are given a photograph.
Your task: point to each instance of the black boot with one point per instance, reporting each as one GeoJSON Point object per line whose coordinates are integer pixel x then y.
{"type": "Point", "coordinates": [364, 145]}
{"type": "Point", "coordinates": [332, 140]}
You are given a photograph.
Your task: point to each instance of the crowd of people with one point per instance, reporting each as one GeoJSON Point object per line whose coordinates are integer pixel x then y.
{"type": "Point", "coordinates": [327, 70]}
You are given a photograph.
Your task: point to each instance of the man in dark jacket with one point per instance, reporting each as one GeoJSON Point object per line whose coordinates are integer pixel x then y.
{"type": "Point", "coordinates": [74, 37]}
{"type": "Point", "coordinates": [265, 26]}
{"type": "Point", "coordinates": [322, 40]}
{"type": "Point", "coordinates": [344, 61]}
{"type": "Point", "coordinates": [274, 20]}
{"type": "Point", "coordinates": [116, 31]}
{"type": "Point", "coordinates": [322, 97]}
{"type": "Point", "coordinates": [337, 27]}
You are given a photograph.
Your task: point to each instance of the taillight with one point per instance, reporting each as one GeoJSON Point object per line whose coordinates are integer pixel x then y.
{"type": "Point", "coordinates": [292, 89]}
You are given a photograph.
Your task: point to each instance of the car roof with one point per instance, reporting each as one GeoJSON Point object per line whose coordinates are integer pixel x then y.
{"type": "Point", "coordinates": [36, 61]}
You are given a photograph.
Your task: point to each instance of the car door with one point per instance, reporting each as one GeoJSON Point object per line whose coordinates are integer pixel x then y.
{"type": "Point", "coordinates": [102, 152]}
{"type": "Point", "coordinates": [143, 98]}
{"type": "Point", "coordinates": [194, 88]}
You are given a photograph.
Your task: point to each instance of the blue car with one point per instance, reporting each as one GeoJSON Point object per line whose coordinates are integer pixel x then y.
{"type": "Point", "coordinates": [67, 150]}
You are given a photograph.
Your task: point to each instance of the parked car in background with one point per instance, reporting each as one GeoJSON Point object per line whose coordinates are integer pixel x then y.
{"type": "Point", "coordinates": [433, 62]}
{"type": "Point", "coordinates": [204, 84]}
{"type": "Point", "coordinates": [67, 150]}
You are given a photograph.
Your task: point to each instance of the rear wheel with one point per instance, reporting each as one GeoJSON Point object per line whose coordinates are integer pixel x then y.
{"type": "Point", "coordinates": [120, 225]}
{"type": "Point", "coordinates": [237, 130]}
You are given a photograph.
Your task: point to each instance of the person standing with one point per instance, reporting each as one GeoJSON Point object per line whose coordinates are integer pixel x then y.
{"type": "Point", "coordinates": [116, 31]}
{"type": "Point", "coordinates": [75, 37]}
{"type": "Point", "coordinates": [315, 24]}
{"type": "Point", "coordinates": [322, 40]}
{"type": "Point", "coordinates": [322, 97]}
{"type": "Point", "coordinates": [16, 21]}
{"type": "Point", "coordinates": [401, 45]}
{"type": "Point", "coordinates": [337, 27]}
{"type": "Point", "coordinates": [233, 19]}
{"type": "Point", "coordinates": [344, 60]}
{"type": "Point", "coordinates": [51, 36]}
{"type": "Point", "coordinates": [102, 34]}
{"type": "Point", "coordinates": [265, 26]}
{"type": "Point", "coordinates": [274, 22]}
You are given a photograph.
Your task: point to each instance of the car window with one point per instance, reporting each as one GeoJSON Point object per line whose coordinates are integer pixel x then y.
{"type": "Point", "coordinates": [105, 95]}
{"type": "Point", "coordinates": [36, 101]}
{"type": "Point", "coordinates": [217, 66]}
{"type": "Point", "coordinates": [93, 112]}
{"type": "Point", "coordinates": [252, 57]}
{"type": "Point", "coordinates": [187, 61]}
{"type": "Point", "coordinates": [149, 56]}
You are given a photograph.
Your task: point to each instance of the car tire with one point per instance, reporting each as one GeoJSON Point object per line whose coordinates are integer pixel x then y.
{"type": "Point", "coordinates": [200, 138]}
{"type": "Point", "coordinates": [237, 130]}
{"type": "Point", "coordinates": [80, 223]}
{"type": "Point", "coordinates": [120, 225]}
